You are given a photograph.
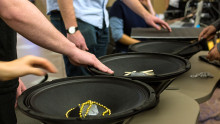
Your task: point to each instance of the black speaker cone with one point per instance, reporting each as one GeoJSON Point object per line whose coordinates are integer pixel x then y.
{"type": "Point", "coordinates": [48, 102]}
{"type": "Point", "coordinates": [164, 46]}
{"type": "Point", "coordinates": [165, 66]}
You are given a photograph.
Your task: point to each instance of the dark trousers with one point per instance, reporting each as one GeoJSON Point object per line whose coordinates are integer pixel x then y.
{"type": "Point", "coordinates": [7, 108]}
{"type": "Point", "coordinates": [8, 41]}
{"type": "Point", "coordinates": [96, 40]}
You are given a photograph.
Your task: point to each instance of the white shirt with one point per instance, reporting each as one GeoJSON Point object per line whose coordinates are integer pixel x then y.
{"type": "Point", "coordinates": [91, 11]}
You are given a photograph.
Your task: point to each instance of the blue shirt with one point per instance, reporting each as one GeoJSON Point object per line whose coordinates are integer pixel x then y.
{"type": "Point", "coordinates": [90, 11]}
{"type": "Point", "coordinates": [122, 20]}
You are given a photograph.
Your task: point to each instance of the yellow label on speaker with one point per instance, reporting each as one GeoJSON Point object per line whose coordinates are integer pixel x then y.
{"type": "Point", "coordinates": [210, 45]}
{"type": "Point", "coordinates": [218, 40]}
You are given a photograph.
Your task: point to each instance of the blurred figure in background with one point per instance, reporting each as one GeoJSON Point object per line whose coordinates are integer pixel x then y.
{"type": "Point", "coordinates": [122, 20]}
{"type": "Point", "coordinates": [209, 33]}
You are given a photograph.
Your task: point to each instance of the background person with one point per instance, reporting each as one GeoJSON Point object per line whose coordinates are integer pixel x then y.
{"type": "Point", "coordinates": [91, 18]}
{"type": "Point", "coordinates": [122, 20]}
{"type": "Point", "coordinates": [209, 33]}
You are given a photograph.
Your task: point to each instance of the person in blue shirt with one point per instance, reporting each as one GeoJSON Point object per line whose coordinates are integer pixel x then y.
{"type": "Point", "coordinates": [122, 20]}
{"type": "Point", "coordinates": [91, 19]}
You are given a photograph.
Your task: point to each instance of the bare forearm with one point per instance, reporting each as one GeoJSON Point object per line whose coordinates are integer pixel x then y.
{"type": "Point", "coordinates": [67, 12]}
{"type": "Point", "coordinates": [216, 24]}
{"type": "Point", "coordinates": [150, 7]}
{"type": "Point", "coordinates": [27, 20]}
{"type": "Point", "coordinates": [126, 40]}
{"type": "Point", "coordinates": [151, 20]}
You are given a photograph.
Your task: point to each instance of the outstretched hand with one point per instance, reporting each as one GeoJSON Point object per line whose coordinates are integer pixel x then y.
{"type": "Point", "coordinates": [83, 58]}
{"type": "Point", "coordinates": [157, 23]}
{"type": "Point", "coordinates": [213, 54]}
{"type": "Point", "coordinates": [25, 65]}
{"type": "Point", "coordinates": [208, 33]}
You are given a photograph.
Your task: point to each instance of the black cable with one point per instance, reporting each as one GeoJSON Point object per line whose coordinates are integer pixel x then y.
{"type": "Point", "coordinates": [45, 78]}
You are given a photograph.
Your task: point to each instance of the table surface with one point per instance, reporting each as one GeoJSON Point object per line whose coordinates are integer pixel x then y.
{"type": "Point", "coordinates": [200, 89]}
{"type": "Point", "coordinates": [179, 104]}
{"type": "Point", "coordinates": [174, 108]}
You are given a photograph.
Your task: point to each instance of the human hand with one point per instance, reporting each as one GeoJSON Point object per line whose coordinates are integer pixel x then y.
{"type": "Point", "coordinates": [78, 39]}
{"type": "Point", "coordinates": [213, 54]}
{"type": "Point", "coordinates": [21, 88]}
{"type": "Point", "coordinates": [83, 58]}
{"type": "Point", "coordinates": [208, 33]}
{"type": "Point", "coordinates": [25, 65]}
{"type": "Point", "coordinates": [156, 22]}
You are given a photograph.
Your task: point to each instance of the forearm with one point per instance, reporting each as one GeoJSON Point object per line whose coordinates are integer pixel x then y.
{"type": "Point", "coordinates": [126, 40]}
{"type": "Point", "coordinates": [67, 12]}
{"type": "Point", "coordinates": [4, 71]}
{"type": "Point", "coordinates": [27, 20]}
{"type": "Point", "coordinates": [7, 71]}
{"type": "Point", "coordinates": [216, 24]}
{"type": "Point", "coordinates": [150, 7]}
{"type": "Point", "coordinates": [137, 7]}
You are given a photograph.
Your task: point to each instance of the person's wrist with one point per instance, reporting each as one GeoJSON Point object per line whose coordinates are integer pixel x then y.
{"type": "Point", "coordinates": [74, 33]}
{"type": "Point", "coordinates": [72, 30]}
{"type": "Point", "coordinates": [70, 49]}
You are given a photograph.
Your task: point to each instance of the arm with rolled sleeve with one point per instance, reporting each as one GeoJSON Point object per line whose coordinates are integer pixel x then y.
{"type": "Point", "coordinates": [34, 26]}
{"type": "Point", "coordinates": [214, 53]}
{"type": "Point", "coordinates": [216, 24]}
{"type": "Point", "coordinates": [151, 20]}
{"type": "Point", "coordinates": [69, 18]}
{"type": "Point", "coordinates": [210, 31]}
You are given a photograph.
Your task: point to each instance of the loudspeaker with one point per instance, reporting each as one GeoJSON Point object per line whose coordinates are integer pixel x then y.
{"type": "Point", "coordinates": [165, 46]}
{"type": "Point", "coordinates": [166, 67]}
{"type": "Point", "coordinates": [49, 101]}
